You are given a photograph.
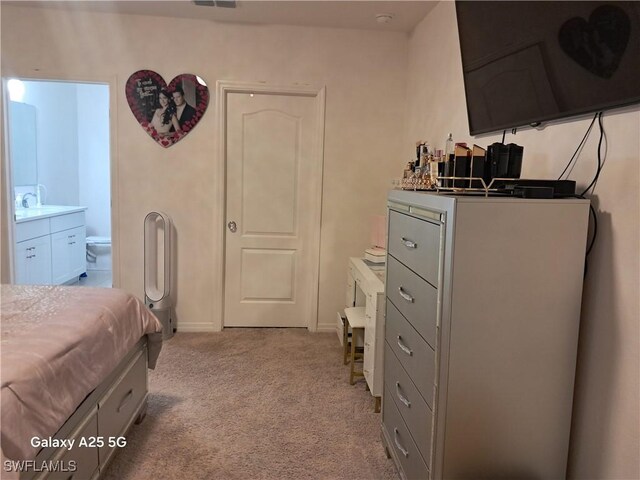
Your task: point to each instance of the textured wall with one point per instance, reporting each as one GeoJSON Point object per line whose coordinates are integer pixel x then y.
{"type": "Point", "coordinates": [364, 73]}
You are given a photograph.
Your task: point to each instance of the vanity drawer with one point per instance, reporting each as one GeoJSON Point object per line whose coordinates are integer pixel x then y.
{"type": "Point", "coordinates": [415, 355]}
{"type": "Point", "coordinates": [351, 290]}
{"type": "Point", "coordinates": [416, 243]}
{"type": "Point", "coordinates": [413, 465]}
{"type": "Point", "coordinates": [415, 298]}
{"type": "Point", "coordinates": [119, 404]}
{"type": "Point", "coordinates": [31, 229]}
{"type": "Point", "coordinates": [368, 365]}
{"type": "Point", "coordinates": [414, 410]}
{"type": "Point", "coordinates": [64, 222]}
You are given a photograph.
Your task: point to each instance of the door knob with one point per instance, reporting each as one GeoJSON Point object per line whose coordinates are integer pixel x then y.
{"type": "Point", "coordinates": [232, 226]}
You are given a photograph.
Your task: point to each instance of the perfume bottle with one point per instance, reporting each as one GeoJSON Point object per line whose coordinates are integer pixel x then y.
{"type": "Point", "coordinates": [448, 149]}
{"type": "Point", "coordinates": [445, 168]}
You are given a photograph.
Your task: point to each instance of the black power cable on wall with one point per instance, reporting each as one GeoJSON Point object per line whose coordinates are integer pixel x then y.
{"type": "Point", "coordinates": [594, 181]}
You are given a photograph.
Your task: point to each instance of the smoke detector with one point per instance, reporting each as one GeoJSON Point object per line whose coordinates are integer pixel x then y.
{"type": "Point", "coordinates": [383, 18]}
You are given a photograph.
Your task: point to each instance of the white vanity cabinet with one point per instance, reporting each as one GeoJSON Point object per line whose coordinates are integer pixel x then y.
{"type": "Point", "coordinates": [482, 316]}
{"type": "Point", "coordinates": [365, 287]}
{"type": "Point", "coordinates": [33, 261]}
{"type": "Point", "coordinates": [50, 248]}
{"type": "Point", "coordinates": [68, 247]}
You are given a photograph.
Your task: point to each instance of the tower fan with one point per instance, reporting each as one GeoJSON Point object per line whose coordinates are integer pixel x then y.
{"type": "Point", "coordinates": [157, 270]}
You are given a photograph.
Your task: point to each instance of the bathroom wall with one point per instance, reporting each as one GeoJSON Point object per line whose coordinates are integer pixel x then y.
{"type": "Point", "coordinates": [93, 157]}
{"type": "Point", "coordinates": [73, 148]}
{"type": "Point", "coordinates": [606, 423]}
{"type": "Point", "coordinates": [57, 145]}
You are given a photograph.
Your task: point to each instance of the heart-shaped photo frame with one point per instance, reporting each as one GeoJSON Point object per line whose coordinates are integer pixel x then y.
{"type": "Point", "coordinates": [167, 112]}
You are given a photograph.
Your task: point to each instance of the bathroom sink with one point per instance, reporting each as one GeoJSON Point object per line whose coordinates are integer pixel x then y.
{"type": "Point", "coordinates": [45, 208]}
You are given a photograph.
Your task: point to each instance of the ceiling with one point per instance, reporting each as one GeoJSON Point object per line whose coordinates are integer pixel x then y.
{"type": "Point", "coordinates": [337, 14]}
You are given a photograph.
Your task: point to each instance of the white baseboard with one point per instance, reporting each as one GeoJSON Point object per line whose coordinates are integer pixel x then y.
{"type": "Point", "coordinates": [208, 327]}
{"type": "Point", "coordinates": [326, 327]}
{"type": "Point", "coordinates": [192, 327]}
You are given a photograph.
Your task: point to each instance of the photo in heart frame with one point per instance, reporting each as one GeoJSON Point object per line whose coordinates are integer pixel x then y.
{"type": "Point", "coordinates": [167, 112]}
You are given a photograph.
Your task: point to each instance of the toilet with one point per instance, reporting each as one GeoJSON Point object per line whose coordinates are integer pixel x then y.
{"type": "Point", "coordinates": [98, 253]}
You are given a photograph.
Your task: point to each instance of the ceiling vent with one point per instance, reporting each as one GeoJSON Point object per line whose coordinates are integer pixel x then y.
{"type": "Point", "coordinates": [216, 3]}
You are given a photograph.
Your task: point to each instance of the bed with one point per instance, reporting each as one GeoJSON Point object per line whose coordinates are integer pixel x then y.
{"type": "Point", "coordinates": [74, 366]}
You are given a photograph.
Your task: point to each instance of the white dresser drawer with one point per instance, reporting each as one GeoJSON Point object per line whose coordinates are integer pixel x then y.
{"type": "Point", "coordinates": [416, 243]}
{"type": "Point", "coordinates": [64, 222]}
{"type": "Point", "coordinates": [32, 229]}
{"type": "Point", "coordinates": [413, 465]}
{"type": "Point", "coordinates": [415, 298]}
{"type": "Point", "coordinates": [415, 355]}
{"type": "Point", "coordinates": [414, 410]}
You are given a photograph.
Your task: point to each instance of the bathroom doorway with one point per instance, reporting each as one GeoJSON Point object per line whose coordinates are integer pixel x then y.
{"type": "Point", "coordinates": [59, 159]}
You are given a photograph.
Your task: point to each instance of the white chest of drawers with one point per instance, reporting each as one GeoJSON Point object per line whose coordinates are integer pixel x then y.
{"type": "Point", "coordinates": [482, 316]}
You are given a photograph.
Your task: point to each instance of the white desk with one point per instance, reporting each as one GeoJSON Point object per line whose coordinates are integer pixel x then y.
{"type": "Point", "coordinates": [365, 288]}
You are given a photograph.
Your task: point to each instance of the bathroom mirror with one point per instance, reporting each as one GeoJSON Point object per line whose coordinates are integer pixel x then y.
{"type": "Point", "coordinates": [22, 143]}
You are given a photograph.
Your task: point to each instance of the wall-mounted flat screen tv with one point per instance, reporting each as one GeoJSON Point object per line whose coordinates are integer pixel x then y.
{"type": "Point", "coordinates": [529, 62]}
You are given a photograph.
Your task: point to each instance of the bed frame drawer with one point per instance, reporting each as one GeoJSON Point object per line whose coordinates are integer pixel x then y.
{"type": "Point", "coordinates": [85, 458]}
{"type": "Point", "coordinates": [117, 408]}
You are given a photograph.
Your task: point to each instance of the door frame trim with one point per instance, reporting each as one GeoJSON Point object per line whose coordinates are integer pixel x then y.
{"type": "Point", "coordinates": [9, 211]}
{"type": "Point", "coordinates": [223, 87]}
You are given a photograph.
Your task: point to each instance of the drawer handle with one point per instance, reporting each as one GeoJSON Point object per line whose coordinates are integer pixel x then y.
{"type": "Point", "coordinates": [404, 400]}
{"type": "Point", "coordinates": [398, 446]}
{"type": "Point", "coordinates": [405, 295]}
{"type": "Point", "coordinates": [125, 400]}
{"type": "Point", "coordinates": [408, 243]}
{"type": "Point", "coordinates": [403, 347]}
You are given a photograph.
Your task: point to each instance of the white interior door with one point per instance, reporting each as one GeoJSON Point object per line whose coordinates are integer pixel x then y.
{"type": "Point", "coordinates": [271, 144]}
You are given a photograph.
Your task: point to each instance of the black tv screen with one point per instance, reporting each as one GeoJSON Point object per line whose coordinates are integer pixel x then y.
{"type": "Point", "coordinates": [530, 62]}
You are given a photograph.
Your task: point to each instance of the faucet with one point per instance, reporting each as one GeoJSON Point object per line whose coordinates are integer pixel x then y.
{"type": "Point", "coordinates": [25, 200]}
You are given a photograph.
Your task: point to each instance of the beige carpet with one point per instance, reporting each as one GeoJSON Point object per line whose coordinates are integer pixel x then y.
{"type": "Point", "coordinates": [254, 404]}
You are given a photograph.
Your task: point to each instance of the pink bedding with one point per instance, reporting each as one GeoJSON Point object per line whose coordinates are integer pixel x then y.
{"type": "Point", "coordinates": [57, 345]}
